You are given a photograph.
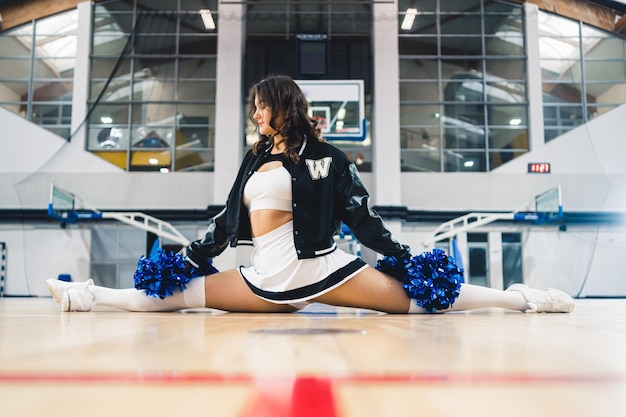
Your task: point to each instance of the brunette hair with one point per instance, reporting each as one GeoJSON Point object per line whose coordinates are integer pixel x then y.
{"type": "Point", "coordinates": [281, 94]}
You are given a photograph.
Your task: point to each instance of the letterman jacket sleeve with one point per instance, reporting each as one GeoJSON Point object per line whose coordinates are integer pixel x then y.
{"type": "Point", "coordinates": [213, 243]}
{"type": "Point", "coordinates": [366, 224]}
{"type": "Point", "coordinates": [216, 238]}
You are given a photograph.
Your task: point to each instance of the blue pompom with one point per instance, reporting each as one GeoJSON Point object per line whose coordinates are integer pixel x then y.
{"type": "Point", "coordinates": [432, 279]}
{"type": "Point", "coordinates": [164, 272]}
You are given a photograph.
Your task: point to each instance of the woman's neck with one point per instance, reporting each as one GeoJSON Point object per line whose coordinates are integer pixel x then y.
{"type": "Point", "coordinates": [279, 144]}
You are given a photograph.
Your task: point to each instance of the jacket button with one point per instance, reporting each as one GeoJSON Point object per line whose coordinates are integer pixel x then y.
{"type": "Point", "coordinates": [295, 205]}
{"type": "Point", "coordinates": [299, 251]}
{"type": "Point", "coordinates": [293, 179]}
{"type": "Point", "coordinates": [249, 172]}
{"type": "Point", "coordinates": [295, 232]}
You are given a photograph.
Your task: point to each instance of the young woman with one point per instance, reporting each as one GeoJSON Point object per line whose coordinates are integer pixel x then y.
{"type": "Point", "coordinates": [291, 194]}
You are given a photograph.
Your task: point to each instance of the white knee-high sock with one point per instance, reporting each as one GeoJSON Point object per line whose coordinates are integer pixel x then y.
{"type": "Point", "coordinates": [136, 300]}
{"type": "Point", "coordinates": [473, 296]}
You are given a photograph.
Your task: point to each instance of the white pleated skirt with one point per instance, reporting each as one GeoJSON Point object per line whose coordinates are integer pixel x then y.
{"type": "Point", "coordinates": [278, 276]}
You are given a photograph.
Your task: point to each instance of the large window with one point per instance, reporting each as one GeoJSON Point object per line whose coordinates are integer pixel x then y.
{"type": "Point", "coordinates": [583, 73]}
{"type": "Point", "coordinates": [463, 104]}
{"type": "Point", "coordinates": [317, 41]}
{"type": "Point", "coordinates": [36, 80]}
{"type": "Point", "coordinates": [152, 98]}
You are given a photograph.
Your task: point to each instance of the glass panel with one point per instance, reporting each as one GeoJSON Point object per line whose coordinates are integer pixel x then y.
{"type": "Point", "coordinates": [162, 67]}
{"type": "Point", "coordinates": [193, 132]}
{"type": "Point", "coordinates": [13, 90]}
{"type": "Point", "coordinates": [508, 69]}
{"type": "Point", "coordinates": [419, 137]}
{"type": "Point", "coordinates": [109, 44]}
{"type": "Point", "coordinates": [153, 113]}
{"type": "Point", "coordinates": [162, 22]}
{"type": "Point", "coordinates": [422, 5]}
{"type": "Point", "coordinates": [198, 45]}
{"type": "Point", "coordinates": [53, 91]}
{"type": "Point", "coordinates": [418, 45]}
{"type": "Point", "coordinates": [600, 70]}
{"type": "Point", "coordinates": [154, 90]}
{"type": "Point", "coordinates": [151, 160]}
{"type": "Point", "coordinates": [151, 44]}
{"type": "Point", "coordinates": [197, 67]}
{"type": "Point", "coordinates": [502, 156]}
{"type": "Point", "coordinates": [109, 137]}
{"type": "Point", "coordinates": [455, 68]}
{"type": "Point", "coordinates": [457, 24]}
{"type": "Point", "coordinates": [505, 44]}
{"type": "Point", "coordinates": [465, 136]}
{"type": "Point", "coordinates": [423, 115]}
{"type": "Point", "coordinates": [195, 5]}
{"type": "Point", "coordinates": [109, 113]}
{"type": "Point", "coordinates": [417, 91]}
{"type": "Point", "coordinates": [66, 22]}
{"type": "Point", "coordinates": [194, 160]}
{"type": "Point", "coordinates": [562, 93]}
{"type": "Point", "coordinates": [506, 115]}
{"type": "Point", "coordinates": [609, 93]}
{"type": "Point", "coordinates": [562, 116]}
{"type": "Point", "coordinates": [508, 139]}
{"type": "Point", "coordinates": [461, 45]}
{"type": "Point", "coordinates": [418, 160]}
{"type": "Point", "coordinates": [420, 23]}
{"type": "Point", "coordinates": [418, 69]}
{"type": "Point", "coordinates": [196, 112]}
{"type": "Point", "coordinates": [54, 68]}
{"type": "Point", "coordinates": [151, 137]}
{"type": "Point", "coordinates": [464, 161]}
{"type": "Point", "coordinates": [196, 90]}
{"type": "Point", "coordinates": [52, 114]}
{"type": "Point", "coordinates": [15, 68]}
{"type": "Point", "coordinates": [102, 68]}
{"type": "Point", "coordinates": [14, 46]}
{"type": "Point", "coordinates": [459, 6]}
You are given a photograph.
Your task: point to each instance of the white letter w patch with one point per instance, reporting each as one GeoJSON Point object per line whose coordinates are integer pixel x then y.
{"type": "Point", "coordinates": [319, 168]}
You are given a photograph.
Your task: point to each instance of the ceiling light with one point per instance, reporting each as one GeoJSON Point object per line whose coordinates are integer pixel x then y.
{"type": "Point", "coordinates": [107, 120]}
{"type": "Point", "coordinates": [409, 17]}
{"type": "Point", "coordinates": [153, 161]}
{"type": "Point", "coordinates": [515, 121]}
{"type": "Point", "coordinates": [207, 19]}
{"type": "Point", "coordinates": [341, 113]}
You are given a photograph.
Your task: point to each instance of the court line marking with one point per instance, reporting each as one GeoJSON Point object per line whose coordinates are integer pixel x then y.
{"type": "Point", "coordinates": [213, 378]}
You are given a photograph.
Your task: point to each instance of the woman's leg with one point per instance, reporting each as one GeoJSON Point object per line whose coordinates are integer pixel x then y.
{"type": "Point", "coordinates": [374, 290]}
{"type": "Point", "coordinates": [223, 291]}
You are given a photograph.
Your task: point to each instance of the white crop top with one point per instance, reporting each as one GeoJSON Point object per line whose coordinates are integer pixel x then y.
{"type": "Point", "coordinates": [268, 190]}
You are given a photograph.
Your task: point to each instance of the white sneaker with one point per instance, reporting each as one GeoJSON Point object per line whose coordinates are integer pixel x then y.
{"type": "Point", "coordinates": [78, 299]}
{"type": "Point", "coordinates": [549, 300]}
{"type": "Point", "coordinates": [58, 288]}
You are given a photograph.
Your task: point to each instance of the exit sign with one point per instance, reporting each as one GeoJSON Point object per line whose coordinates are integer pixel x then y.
{"type": "Point", "coordinates": [539, 167]}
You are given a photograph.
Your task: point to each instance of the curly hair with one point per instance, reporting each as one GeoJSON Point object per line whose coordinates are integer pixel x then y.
{"type": "Point", "coordinates": [285, 98]}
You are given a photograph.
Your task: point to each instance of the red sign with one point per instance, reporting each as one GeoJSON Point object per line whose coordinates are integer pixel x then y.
{"type": "Point", "coordinates": [539, 167]}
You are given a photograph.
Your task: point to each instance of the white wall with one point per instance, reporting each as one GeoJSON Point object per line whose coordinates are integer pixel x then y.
{"type": "Point", "coordinates": [588, 163]}
{"type": "Point", "coordinates": [36, 254]}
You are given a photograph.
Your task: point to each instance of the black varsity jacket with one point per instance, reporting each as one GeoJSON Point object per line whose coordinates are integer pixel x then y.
{"type": "Point", "coordinates": [326, 190]}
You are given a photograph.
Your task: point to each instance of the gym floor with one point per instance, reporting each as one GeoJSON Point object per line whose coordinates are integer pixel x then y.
{"type": "Point", "coordinates": [323, 362]}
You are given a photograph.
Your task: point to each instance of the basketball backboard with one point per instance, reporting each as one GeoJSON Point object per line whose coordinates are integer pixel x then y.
{"type": "Point", "coordinates": [339, 107]}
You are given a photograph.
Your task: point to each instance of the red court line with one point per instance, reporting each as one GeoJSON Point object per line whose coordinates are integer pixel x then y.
{"type": "Point", "coordinates": [301, 396]}
{"type": "Point", "coordinates": [211, 378]}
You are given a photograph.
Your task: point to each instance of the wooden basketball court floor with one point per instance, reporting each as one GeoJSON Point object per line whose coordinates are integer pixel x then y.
{"type": "Point", "coordinates": [322, 362]}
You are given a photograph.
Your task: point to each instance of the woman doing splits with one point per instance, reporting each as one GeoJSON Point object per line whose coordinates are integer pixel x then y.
{"type": "Point", "coordinates": [290, 197]}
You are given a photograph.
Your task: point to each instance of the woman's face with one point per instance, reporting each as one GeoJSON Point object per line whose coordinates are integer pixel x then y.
{"type": "Point", "coordinates": [263, 115]}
